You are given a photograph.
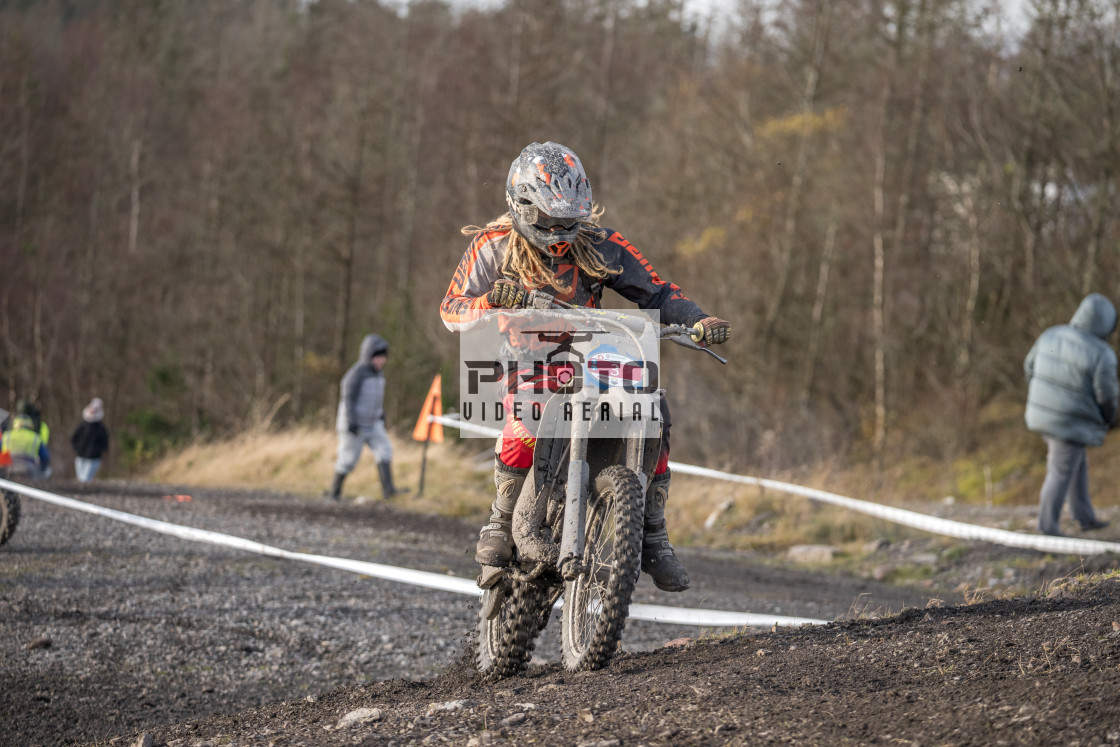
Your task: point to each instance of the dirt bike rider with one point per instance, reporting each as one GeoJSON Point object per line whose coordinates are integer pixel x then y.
{"type": "Point", "coordinates": [551, 240]}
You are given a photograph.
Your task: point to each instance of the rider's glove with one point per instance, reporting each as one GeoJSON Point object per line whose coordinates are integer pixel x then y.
{"type": "Point", "coordinates": [354, 428]}
{"type": "Point", "coordinates": [506, 294]}
{"type": "Point", "coordinates": [711, 330]}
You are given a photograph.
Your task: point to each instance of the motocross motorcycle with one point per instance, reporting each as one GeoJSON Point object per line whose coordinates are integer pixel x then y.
{"type": "Point", "coordinates": [9, 501]}
{"type": "Point", "coordinates": [578, 522]}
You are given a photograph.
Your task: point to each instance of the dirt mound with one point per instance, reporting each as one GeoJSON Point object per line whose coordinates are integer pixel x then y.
{"type": "Point", "coordinates": [1027, 670]}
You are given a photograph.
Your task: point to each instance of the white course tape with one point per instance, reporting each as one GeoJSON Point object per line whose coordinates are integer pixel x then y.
{"type": "Point", "coordinates": [648, 612]}
{"type": "Point", "coordinates": [924, 522]}
{"type": "Point", "coordinates": [454, 422]}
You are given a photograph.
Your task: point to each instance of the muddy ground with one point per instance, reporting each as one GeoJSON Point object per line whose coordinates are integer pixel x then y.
{"type": "Point", "coordinates": [109, 632]}
{"type": "Point", "coordinates": [1020, 671]}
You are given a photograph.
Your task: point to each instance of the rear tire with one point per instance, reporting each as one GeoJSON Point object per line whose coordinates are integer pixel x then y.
{"type": "Point", "coordinates": [506, 640]}
{"type": "Point", "coordinates": [597, 601]}
{"type": "Point", "coordinates": [9, 514]}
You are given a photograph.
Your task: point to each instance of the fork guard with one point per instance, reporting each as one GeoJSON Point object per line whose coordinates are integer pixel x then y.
{"type": "Point", "coordinates": [532, 505]}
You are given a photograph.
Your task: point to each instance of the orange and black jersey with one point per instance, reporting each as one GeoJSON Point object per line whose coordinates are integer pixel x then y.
{"type": "Point", "coordinates": [637, 282]}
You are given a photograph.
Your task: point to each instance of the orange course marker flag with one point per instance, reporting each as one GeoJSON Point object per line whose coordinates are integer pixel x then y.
{"type": "Point", "coordinates": [426, 430]}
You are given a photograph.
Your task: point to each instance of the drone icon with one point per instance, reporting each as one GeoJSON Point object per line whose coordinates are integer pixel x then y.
{"type": "Point", "coordinates": [564, 341]}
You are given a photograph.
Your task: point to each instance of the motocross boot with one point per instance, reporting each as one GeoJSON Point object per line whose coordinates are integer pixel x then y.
{"type": "Point", "coordinates": [658, 558]}
{"type": "Point", "coordinates": [388, 489]}
{"type": "Point", "coordinates": [495, 541]}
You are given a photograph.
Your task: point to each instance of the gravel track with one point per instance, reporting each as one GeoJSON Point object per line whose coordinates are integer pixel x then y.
{"type": "Point", "coordinates": [108, 629]}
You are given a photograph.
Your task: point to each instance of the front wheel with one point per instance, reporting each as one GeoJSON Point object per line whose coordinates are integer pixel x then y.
{"type": "Point", "coordinates": [9, 514]}
{"type": "Point", "coordinates": [597, 601]}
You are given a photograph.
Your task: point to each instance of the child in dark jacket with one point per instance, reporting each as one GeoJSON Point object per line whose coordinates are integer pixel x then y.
{"type": "Point", "coordinates": [90, 441]}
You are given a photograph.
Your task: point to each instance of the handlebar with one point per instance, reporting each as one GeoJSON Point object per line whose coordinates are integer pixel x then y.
{"type": "Point", "coordinates": [683, 335]}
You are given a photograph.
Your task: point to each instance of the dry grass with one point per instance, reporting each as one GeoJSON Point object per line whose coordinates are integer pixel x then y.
{"type": "Point", "coordinates": [301, 461]}
{"type": "Point", "coordinates": [458, 482]}
{"type": "Point", "coordinates": [714, 514]}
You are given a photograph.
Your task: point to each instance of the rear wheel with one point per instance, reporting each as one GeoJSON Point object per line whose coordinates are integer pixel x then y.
{"type": "Point", "coordinates": [512, 614]}
{"type": "Point", "coordinates": [597, 601]}
{"type": "Point", "coordinates": [9, 514]}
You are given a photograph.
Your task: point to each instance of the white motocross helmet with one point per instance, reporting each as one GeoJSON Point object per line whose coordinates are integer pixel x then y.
{"type": "Point", "coordinates": [549, 195]}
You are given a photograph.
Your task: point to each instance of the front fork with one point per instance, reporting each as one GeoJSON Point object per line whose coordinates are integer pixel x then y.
{"type": "Point", "coordinates": [573, 538]}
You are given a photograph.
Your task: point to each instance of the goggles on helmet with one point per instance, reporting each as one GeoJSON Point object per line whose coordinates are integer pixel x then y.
{"type": "Point", "coordinates": [548, 223]}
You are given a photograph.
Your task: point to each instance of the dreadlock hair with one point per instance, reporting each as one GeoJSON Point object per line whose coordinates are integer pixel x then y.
{"type": "Point", "coordinates": [526, 263]}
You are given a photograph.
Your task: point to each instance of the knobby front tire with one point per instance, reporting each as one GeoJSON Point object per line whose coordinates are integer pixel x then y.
{"type": "Point", "coordinates": [597, 601]}
{"type": "Point", "coordinates": [9, 514]}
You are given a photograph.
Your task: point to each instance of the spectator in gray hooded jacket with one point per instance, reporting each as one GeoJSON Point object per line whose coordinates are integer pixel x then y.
{"type": "Point", "coordinates": [1073, 396]}
{"type": "Point", "coordinates": [361, 418]}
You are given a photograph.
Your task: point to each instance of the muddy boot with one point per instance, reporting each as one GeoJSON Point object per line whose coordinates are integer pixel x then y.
{"type": "Point", "coordinates": [495, 541]}
{"type": "Point", "coordinates": [388, 489]}
{"type": "Point", "coordinates": [335, 492]}
{"type": "Point", "coordinates": [658, 558]}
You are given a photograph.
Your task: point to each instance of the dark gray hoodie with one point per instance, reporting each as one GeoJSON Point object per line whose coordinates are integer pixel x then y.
{"type": "Point", "coordinates": [1072, 389]}
{"type": "Point", "coordinates": [363, 388]}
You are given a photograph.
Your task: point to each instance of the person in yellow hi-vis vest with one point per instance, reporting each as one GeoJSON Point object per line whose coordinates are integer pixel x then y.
{"type": "Point", "coordinates": [28, 451]}
{"type": "Point", "coordinates": [26, 407]}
